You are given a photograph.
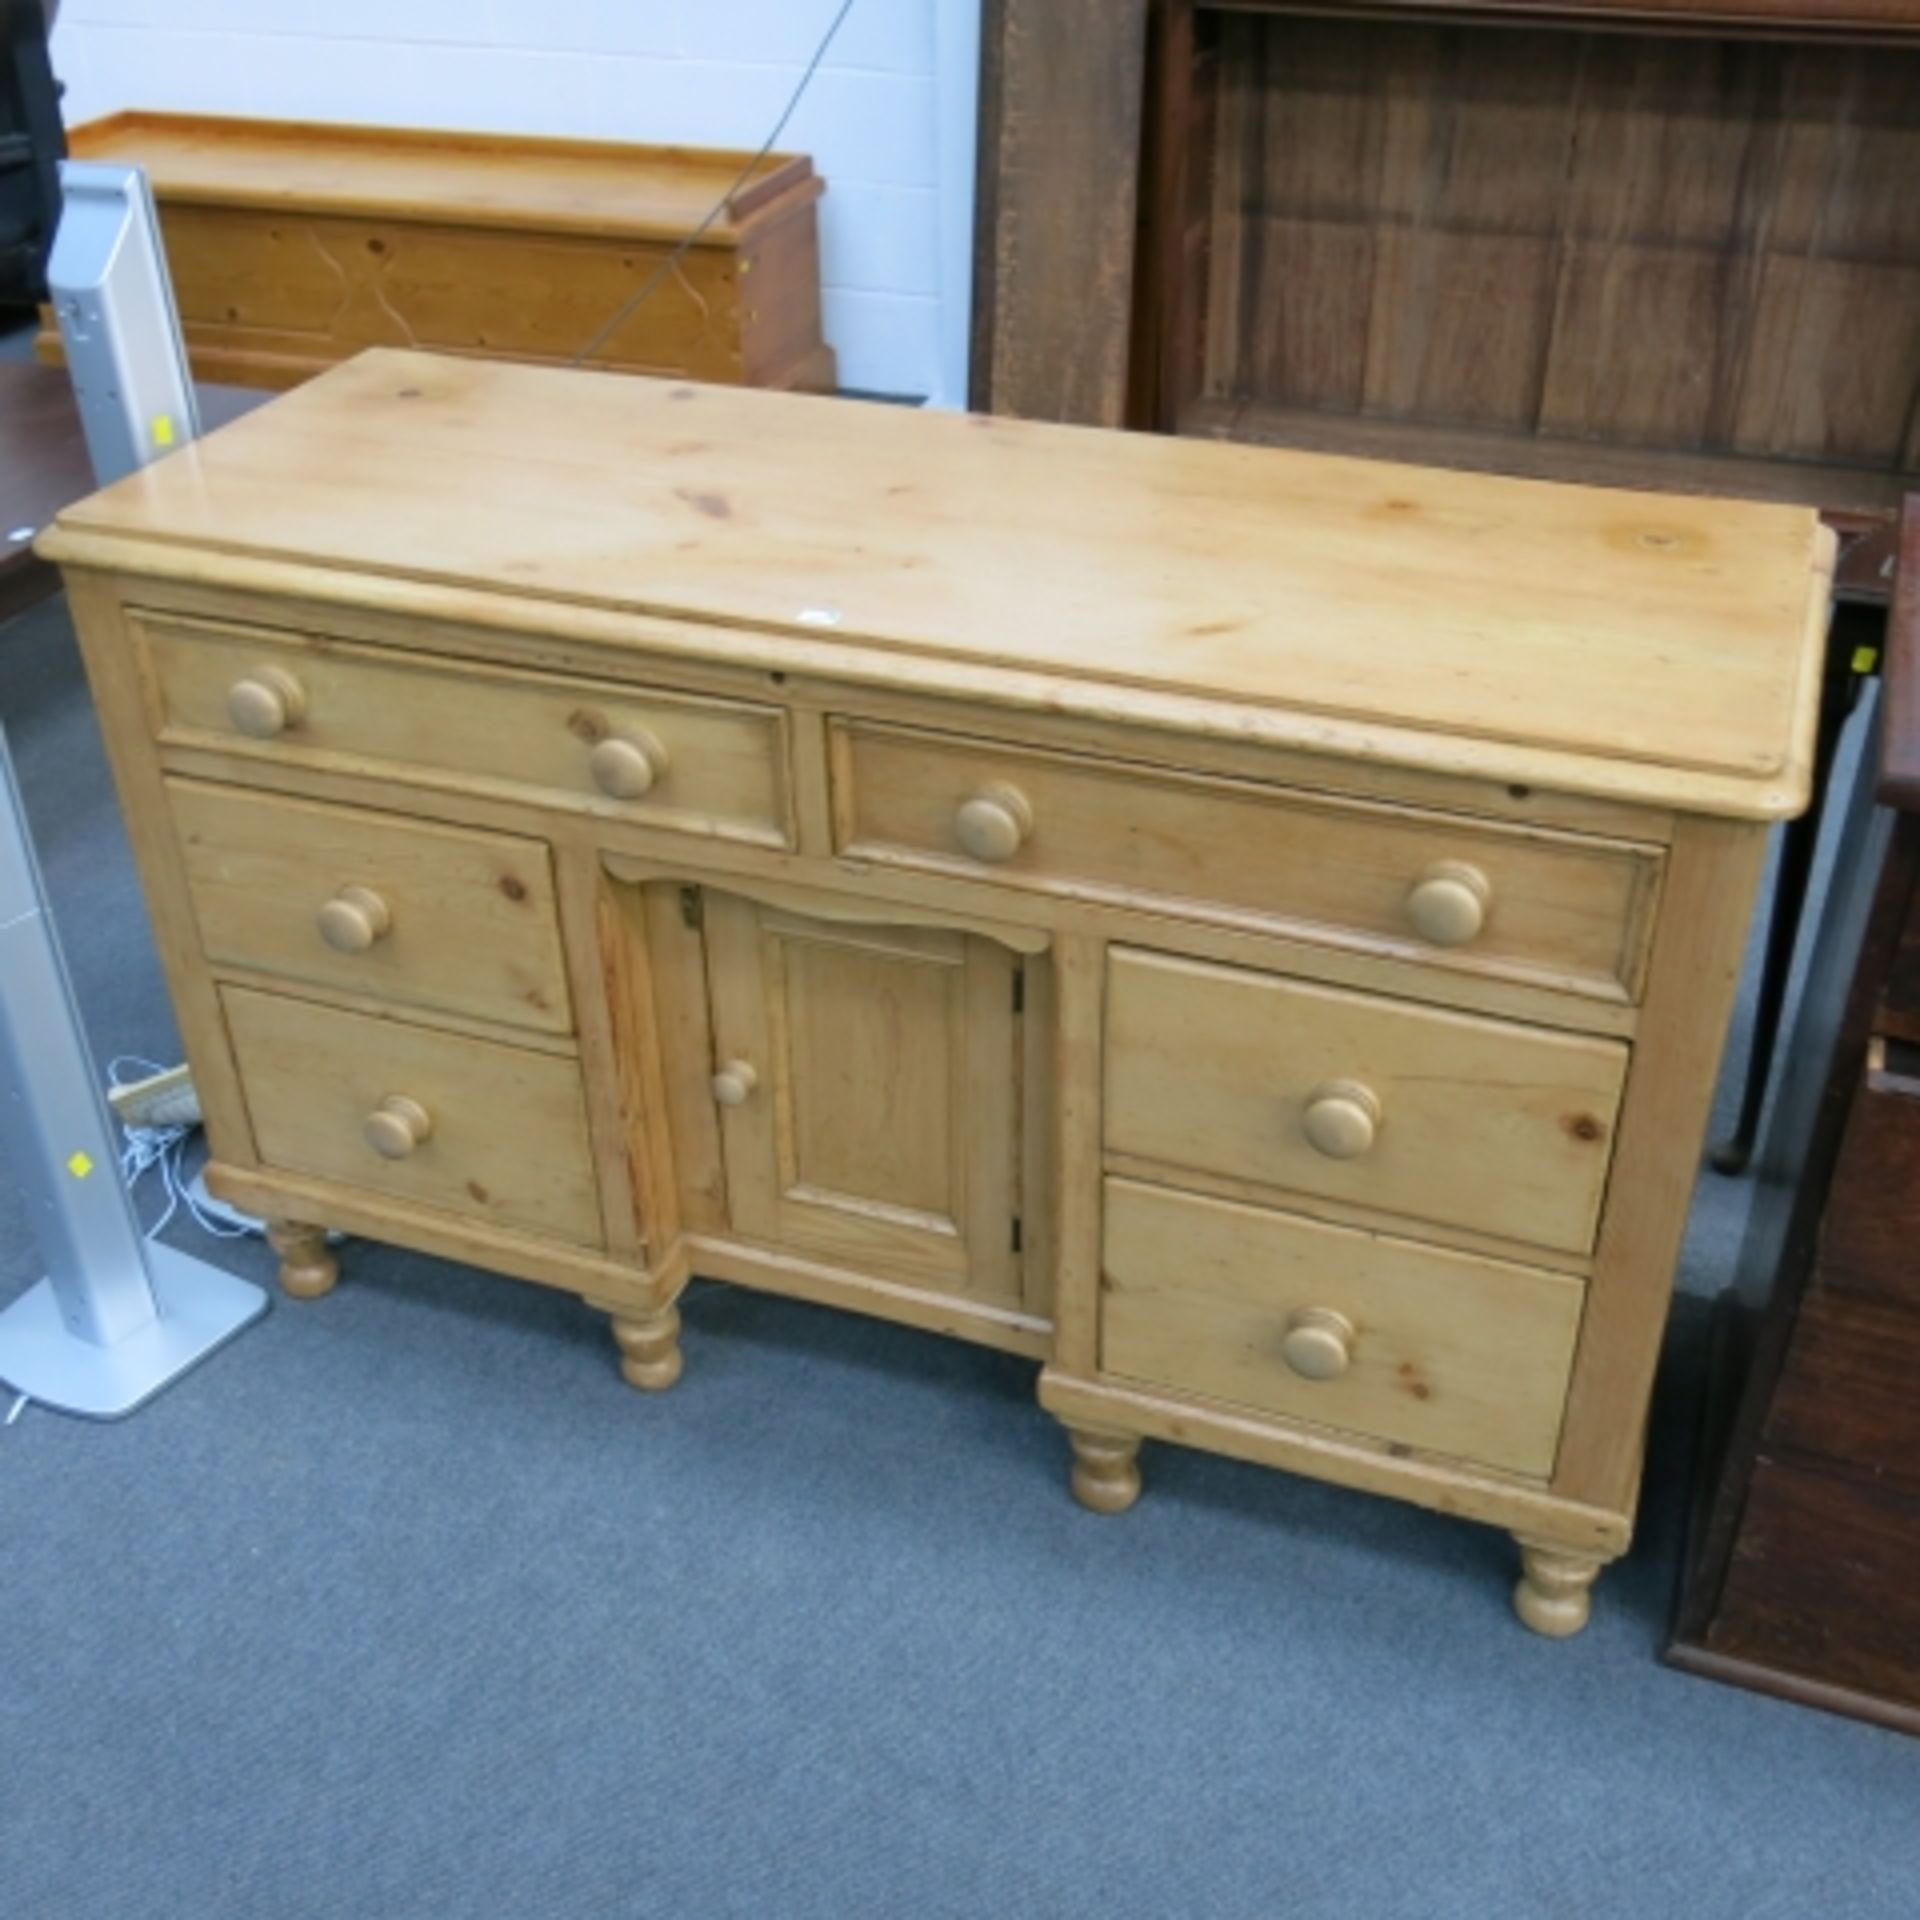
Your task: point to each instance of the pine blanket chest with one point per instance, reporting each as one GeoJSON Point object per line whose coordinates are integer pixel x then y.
{"type": "Point", "coordinates": [294, 245]}
{"type": "Point", "coordinates": [1251, 931]}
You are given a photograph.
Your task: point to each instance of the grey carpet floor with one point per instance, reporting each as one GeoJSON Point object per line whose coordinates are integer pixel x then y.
{"type": "Point", "coordinates": [405, 1606]}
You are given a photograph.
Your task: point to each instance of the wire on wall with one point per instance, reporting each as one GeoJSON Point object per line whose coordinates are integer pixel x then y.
{"type": "Point", "coordinates": [632, 306]}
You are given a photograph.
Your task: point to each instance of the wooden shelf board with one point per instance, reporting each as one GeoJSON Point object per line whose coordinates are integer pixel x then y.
{"type": "Point", "coordinates": [1586, 463]}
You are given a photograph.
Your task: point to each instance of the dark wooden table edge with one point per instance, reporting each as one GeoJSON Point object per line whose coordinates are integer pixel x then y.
{"type": "Point", "coordinates": [1686, 1656]}
{"type": "Point", "coordinates": [55, 470]}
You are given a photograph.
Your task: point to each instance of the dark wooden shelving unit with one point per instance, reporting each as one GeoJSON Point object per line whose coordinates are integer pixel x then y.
{"type": "Point", "coordinates": [1652, 246]}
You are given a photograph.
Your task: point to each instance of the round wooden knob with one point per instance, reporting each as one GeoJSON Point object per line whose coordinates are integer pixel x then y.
{"type": "Point", "coordinates": [1342, 1118]}
{"type": "Point", "coordinates": [1448, 903]}
{"type": "Point", "coordinates": [627, 766]}
{"type": "Point", "coordinates": [1318, 1343]}
{"type": "Point", "coordinates": [734, 1082]}
{"type": "Point", "coordinates": [396, 1126]}
{"type": "Point", "coordinates": [266, 703]}
{"type": "Point", "coordinates": [354, 919]}
{"type": "Point", "coordinates": [995, 823]}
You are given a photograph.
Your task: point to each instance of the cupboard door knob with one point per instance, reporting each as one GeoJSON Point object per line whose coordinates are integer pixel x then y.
{"type": "Point", "coordinates": [628, 766]}
{"type": "Point", "coordinates": [396, 1126]}
{"type": "Point", "coordinates": [1448, 903]}
{"type": "Point", "coordinates": [1342, 1118]}
{"type": "Point", "coordinates": [266, 703]}
{"type": "Point", "coordinates": [995, 823]}
{"type": "Point", "coordinates": [734, 1083]}
{"type": "Point", "coordinates": [354, 919]}
{"type": "Point", "coordinates": [1318, 1343]}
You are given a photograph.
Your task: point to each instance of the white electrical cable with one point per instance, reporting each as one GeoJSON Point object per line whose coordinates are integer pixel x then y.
{"type": "Point", "coordinates": [164, 1148]}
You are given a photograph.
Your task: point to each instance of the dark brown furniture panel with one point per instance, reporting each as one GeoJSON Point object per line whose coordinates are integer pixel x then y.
{"type": "Point", "coordinates": [1803, 1567]}
{"type": "Point", "coordinates": [1824, 1566]}
{"type": "Point", "coordinates": [1870, 1238]}
{"type": "Point", "coordinates": [1053, 259]}
{"type": "Point", "coordinates": [1848, 1390]}
{"type": "Point", "coordinates": [1592, 255]}
{"type": "Point", "coordinates": [1634, 245]}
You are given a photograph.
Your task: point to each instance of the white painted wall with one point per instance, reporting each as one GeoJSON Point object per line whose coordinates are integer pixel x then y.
{"type": "Point", "coordinates": [888, 120]}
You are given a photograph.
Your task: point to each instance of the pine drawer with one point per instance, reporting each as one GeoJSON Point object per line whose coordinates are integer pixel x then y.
{"type": "Point", "coordinates": [1411, 1111]}
{"type": "Point", "coordinates": [421, 915]}
{"type": "Point", "coordinates": [1552, 909]}
{"type": "Point", "coordinates": [1415, 1346]}
{"type": "Point", "coordinates": [676, 760]}
{"type": "Point", "coordinates": [492, 1131]}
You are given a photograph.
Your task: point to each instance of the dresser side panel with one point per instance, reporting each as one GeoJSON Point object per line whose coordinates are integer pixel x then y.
{"type": "Point", "coordinates": [114, 673]}
{"type": "Point", "coordinates": [1713, 875]}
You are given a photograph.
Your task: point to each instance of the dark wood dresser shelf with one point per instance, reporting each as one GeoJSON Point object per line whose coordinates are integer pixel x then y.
{"type": "Point", "coordinates": [1472, 449]}
{"type": "Point", "coordinates": [1665, 243]}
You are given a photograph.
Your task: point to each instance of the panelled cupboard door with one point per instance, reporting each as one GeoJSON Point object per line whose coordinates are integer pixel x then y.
{"type": "Point", "coordinates": [868, 1085]}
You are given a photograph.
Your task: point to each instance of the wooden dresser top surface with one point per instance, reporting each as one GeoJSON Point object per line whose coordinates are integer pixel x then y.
{"type": "Point", "coordinates": [476, 179]}
{"type": "Point", "coordinates": [1660, 649]}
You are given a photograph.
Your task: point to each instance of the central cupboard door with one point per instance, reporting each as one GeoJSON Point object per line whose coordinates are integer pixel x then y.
{"type": "Point", "coordinates": [868, 1082]}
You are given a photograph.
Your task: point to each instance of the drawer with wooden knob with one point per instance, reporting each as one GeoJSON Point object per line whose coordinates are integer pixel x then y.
{"type": "Point", "coordinates": [1417, 1346]}
{"type": "Point", "coordinates": [428, 916]}
{"type": "Point", "coordinates": [676, 760]}
{"type": "Point", "coordinates": [1448, 1119]}
{"type": "Point", "coordinates": [1552, 909]}
{"type": "Point", "coordinates": [468, 1126]}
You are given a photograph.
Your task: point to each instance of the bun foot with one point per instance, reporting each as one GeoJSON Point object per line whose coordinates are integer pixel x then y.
{"type": "Point", "coordinates": [1106, 1472]}
{"type": "Point", "coordinates": [649, 1348]}
{"type": "Point", "coordinates": [307, 1269]}
{"type": "Point", "coordinates": [1554, 1593]}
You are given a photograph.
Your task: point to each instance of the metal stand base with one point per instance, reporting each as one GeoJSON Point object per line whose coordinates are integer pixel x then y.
{"type": "Point", "coordinates": [200, 1308]}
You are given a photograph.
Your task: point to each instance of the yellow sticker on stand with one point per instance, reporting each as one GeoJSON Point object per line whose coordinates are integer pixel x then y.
{"type": "Point", "coordinates": [163, 429]}
{"type": "Point", "coordinates": [79, 1166]}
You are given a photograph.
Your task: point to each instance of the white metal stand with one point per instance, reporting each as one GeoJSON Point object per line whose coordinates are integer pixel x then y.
{"type": "Point", "coordinates": [117, 1317]}
{"type": "Point", "coordinates": [114, 300]}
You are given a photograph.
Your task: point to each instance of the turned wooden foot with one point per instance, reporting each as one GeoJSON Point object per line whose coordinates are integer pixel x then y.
{"type": "Point", "coordinates": [1106, 1472]}
{"type": "Point", "coordinates": [649, 1348]}
{"type": "Point", "coordinates": [307, 1269]}
{"type": "Point", "coordinates": [1554, 1593]}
